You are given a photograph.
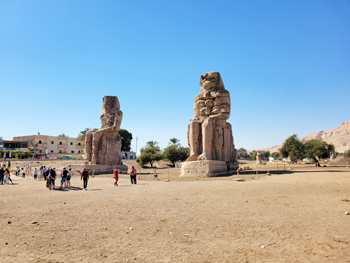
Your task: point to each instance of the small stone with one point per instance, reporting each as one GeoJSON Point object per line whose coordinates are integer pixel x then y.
{"type": "Point", "coordinates": [262, 246]}
{"type": "Point", "coordinates": [186, 235]}
{"type": "Point", "coordinates": [46, 222]}
{"type": "Point", "coordinates": [33, 222]}
{"type": "Point", "coordinates": [347, 213]}
{"type": "Point", "coordinates": [130, 228]}
{"type": "Point", "coordinates": [9, 222]}
{"type": "Point", "coordinates": [170, 233]}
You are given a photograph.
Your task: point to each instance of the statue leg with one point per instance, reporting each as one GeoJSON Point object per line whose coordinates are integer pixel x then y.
{"type": "Point", "coordinates": [207, 141]}
{"type": "Point", "coordinates": [193, 141]}
{"type": "Point", "coordinates": [95, 147]}
{"type": "Point", "coordinates": [88, 145]}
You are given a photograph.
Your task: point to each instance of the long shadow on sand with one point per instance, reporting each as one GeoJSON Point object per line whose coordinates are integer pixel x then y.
{"type": "Point", "coordinates": [74, 188]}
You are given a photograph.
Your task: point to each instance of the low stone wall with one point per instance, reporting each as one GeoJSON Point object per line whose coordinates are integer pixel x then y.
{"type": "Point", "coordinates": [96, 169]}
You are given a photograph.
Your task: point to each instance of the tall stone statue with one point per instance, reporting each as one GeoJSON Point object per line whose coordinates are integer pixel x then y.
{"type": "Point", "coordinates": [102, 146]}
{"type": "Point", "coordinates": [209, 135]}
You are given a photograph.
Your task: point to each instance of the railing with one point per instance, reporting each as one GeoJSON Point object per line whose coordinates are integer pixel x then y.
{"type": "Point", "coordinates": [62, 146]}
{"type": "Point", "coordinates": [41, 145]}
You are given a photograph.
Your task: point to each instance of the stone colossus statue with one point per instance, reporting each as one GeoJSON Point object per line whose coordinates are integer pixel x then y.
{"type": "Point", "coordinates": [209, 135]}
{"type": "Point", "coordinates": [103, 145]}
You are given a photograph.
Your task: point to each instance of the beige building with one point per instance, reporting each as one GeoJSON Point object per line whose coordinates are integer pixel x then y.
{"type": "Point", "coordinates": [54, 144]}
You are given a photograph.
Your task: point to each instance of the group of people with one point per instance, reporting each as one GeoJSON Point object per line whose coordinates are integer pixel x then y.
{"type": "Point", "coordinates": [5, 175]}
{"type": "Point", "coordinates": [49, 175]}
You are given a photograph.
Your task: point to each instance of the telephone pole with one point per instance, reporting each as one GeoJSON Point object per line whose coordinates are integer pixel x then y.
{"type": "Point", "coordinates": [136, 147]}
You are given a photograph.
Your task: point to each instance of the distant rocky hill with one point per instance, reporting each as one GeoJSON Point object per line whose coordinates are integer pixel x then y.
{"type": "Point", "coordinates": [339, 136]}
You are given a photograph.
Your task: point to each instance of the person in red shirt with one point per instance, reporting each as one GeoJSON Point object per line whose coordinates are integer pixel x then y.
{"type": "Point", "coordinates": [85, 176]}
{"type": "Point", "coordinates": [116, 173]}
{"type": "Point", "coordinates": [133, 175]}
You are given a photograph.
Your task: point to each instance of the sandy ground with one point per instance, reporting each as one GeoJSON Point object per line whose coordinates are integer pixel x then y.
{"type": "Point", "coordinates": [291, 216]}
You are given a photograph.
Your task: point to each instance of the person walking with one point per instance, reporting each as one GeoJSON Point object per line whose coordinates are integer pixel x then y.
{"type": "Point", "coordinates": [44, 172]}
{"type": "Point", "coordinates": [69, 176]}
{"type": "Point", "coordinates": [133, 175]}
{"type": "Point", "coordinates": [85, 177]}
{"type": "Point", "coordinates": [52, 177]}
{"type": "Point", "coordinates": [27, 169]}
{"type": "Point", "coordinates": [9, 164]}
{"type": "Point", "coordinates": [30, 168]}
{"type": "Point", "coordinates": [116, 173]}
{"type": "Point", "coordinates": [23, 173]}
{"type": "Point", "coordinates": [35, 173]}
{"type": "Point", "coordinates": [17, 171]}
{"type": "Point", "coordinates": [64, 175]}
{"type": "Point", "coordinates": [8, 175]}
{"type": "Point", "coordinates": [41, 172]}
{"type": "Point", "coordinates": [2, 173]}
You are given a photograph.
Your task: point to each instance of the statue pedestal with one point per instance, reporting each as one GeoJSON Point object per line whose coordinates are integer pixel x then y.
{"type": "Point", "coordinates": [206, 168]}
{"type": "Point", "coordinates": [95, 169]}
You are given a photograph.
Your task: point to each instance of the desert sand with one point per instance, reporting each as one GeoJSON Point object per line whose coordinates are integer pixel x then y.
{"type": "Point", "coordinates": [291, 216]}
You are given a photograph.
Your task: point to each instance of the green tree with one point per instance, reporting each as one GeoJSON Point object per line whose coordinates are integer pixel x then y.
{"type": "Point", "coordinates": [1, 138]}
{"type": "Point", "coordinates": [82, 133]}
{"type": "Point", "coordinates": [316, 149]}
{"type": "Point", "coordinates": [174, 141]}
{"type": "Point", "coordinates": [149, 155]}
{"type": "Point", "coordinates": [126, 139]}
{"type": "Point", "coordinates": [276, 155]}
{"type": "Point", "coordinates": [292, 147]}
{"type": "Point", "coordinates": [242, 153]}
{"type": "Point", "coordinates": [184, 153]}
{"type": "Point", "coordinates": [171, 153]}
{"type": "Point", "coordinates": [63, 135]}
{"type": "Point", "coordinates": [336, 154]}
{"type": "Point", "coordinates": [347, 154]}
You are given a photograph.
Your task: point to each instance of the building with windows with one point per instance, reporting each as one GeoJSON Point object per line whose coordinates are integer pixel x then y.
{"type": "Point", "coordinates": [42, 144]}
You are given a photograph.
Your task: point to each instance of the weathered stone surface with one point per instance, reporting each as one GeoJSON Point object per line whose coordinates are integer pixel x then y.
{"type": "Point", "coordinates": [209, 135]}
{"type": "Point", "coordinates": [102, 146]}
{"type": "Point", "coordinates": [206, 168]}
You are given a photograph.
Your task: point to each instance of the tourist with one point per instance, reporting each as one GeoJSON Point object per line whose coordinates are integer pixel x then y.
{"type": "Point", "coordinates": [133, 175]}
{"type": "Point", "coordinates": [27, 169]}
{"type": "Point", "coordinates": [2, 172]}
{"type": "Point", "coordinates": [9, 164]}
{"type": "Point", "coordinates": [8, 175]}
{"type": "Point", "coordinates": [17, 170]}
{"type": "Point", "coordinates": [41, 172]}
{"type": "Point", "coordinates": [85, 176]}
{"type": "Point", "coordinates": [44, 172]}
{"type": "Point", "coordinates": [64, 175]}
{"type": "Point", "coordinates": [116, 173]}
{"type": "Point", "coordinates": [30, 168]}
{"type": "Point", "coordinates": [23, 173]}
{"type": "Point", "coordinates": [69, 177]}
{"type": "Point", "coordinates": [35, 173]}
{"type": "Point", "coordinates": [52, 177]}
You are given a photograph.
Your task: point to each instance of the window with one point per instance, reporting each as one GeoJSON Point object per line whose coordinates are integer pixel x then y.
{"type": "Point", "coordinates": [71, 143]}
{"type": "Point", "coordinates": [60, 151]}
{"type": "Point", "coordinates": [51, 151]}
{"type": "Point", "coordinates": [39, 141]}
{"type": "Point", "coordinates": [79, 143]}
{"type": "Point", "coordinates": [51, 142]}
{"type": "Point", "coordinates": [72, 151]}
{"type": "Point", "coordinates": [60, 143]}
{"type": "Point", "coordinates": [78, 151]}
{"type": "Point", "coordinates": [24, 146]}
{"type": "Point", "coordinates": [40, 151]}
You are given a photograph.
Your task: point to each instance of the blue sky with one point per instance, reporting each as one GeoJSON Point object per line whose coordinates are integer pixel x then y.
{"type": "Point", "coordinates": [285, 63]}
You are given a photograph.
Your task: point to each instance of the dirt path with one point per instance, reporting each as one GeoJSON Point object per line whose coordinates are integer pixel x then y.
{"type": "Point", "coordinates": [291, 217]}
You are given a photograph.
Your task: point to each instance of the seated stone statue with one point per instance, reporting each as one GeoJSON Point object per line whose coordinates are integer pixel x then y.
{"type": "Point", "coordinates": [209, 135]}
{"type": "Point", "coordinates": [102, 146]}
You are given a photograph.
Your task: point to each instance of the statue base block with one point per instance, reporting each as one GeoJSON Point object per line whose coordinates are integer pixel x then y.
{"type": "Point", "coordinates": [96, 169]}
{"type": "Point", "coordinates": [206, 168]}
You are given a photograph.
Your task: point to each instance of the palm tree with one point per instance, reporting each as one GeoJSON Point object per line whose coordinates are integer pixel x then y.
{"type": "Point", "coordinates": [82, 134]}
{"type": "Point", "coordinates": [174, 141]}
{"type": "Point", "coordinates": [1, 138]}
{"type": "Point", "coordinates": [151, 144]}
{"type": "Point", "coordinates": [63, 135]}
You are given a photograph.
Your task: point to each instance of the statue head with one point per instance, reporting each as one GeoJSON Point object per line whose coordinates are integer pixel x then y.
{"type": "Point", "coordinates": [109, 108]}
{"type": "Point", "coordinates": [110, 102]}
{"type": "Point", "coordinates": [211, 80]}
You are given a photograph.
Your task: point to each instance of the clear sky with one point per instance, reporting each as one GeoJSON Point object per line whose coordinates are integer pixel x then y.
{"type": "Point", "coordinates": [285, 63]}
